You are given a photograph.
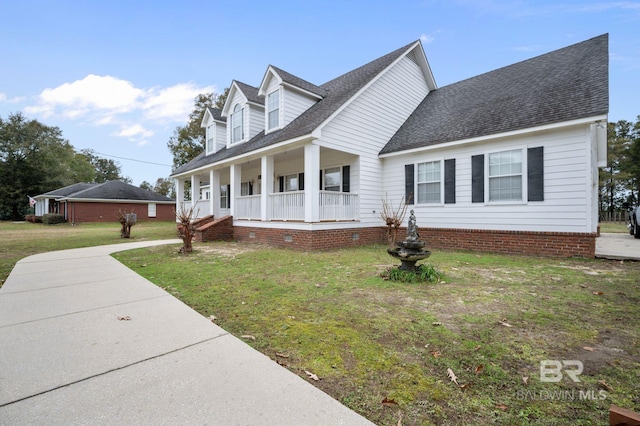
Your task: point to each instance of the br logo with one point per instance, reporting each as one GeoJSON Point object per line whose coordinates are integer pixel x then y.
{"type": "Point", "coordinates": [552, 370]}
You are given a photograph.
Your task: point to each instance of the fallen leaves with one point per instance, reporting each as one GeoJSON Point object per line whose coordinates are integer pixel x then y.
{"type": "Point", "coordinates": [389, 402]}
{"type": "Point", "coordinates": [504, 323]}
{"type": "Point", "coordinates": [311, 375]}
{"type": "Point", "coordinates": [124, 318]}
{"type": "Point", "coordinates": [436, 354]}
{"type": "Point", "coordinates": [248, 337]}
{"type": "Point", "coordinates": [597, 293]}
{"type": "Point", "coordinates": [479, 369]}
{"type": "Point", "coordinates": [604, 384]}
{"type": "Point", "coordinates": [212, 318]}
{"type": "Point", "coordinates": [452, 376]}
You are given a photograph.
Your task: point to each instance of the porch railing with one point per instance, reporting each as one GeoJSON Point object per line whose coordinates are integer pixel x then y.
{"type": "Point", "coordinates": [247, 207]}
{"type": "Point", "coordinates": [202, 207]}
{"type": "Point", "coordinates": [287, 206]}
{"type": "Point", "coordinates": [338, 206]}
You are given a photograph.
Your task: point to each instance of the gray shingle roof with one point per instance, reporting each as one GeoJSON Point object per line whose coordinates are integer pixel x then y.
{"type": "Point", "coordinates": [250, 92]}
{"type": "Point", "coordinates": [298, 82]}
{"type": "Point", "coordinates": [338, 91]}
{"type": "Point", "coordinates": [63, 192]}
{"type": "Point", "coordinates": [111, 190]}
{"type": "Point", "coordinates": [566, 84]}
{"type": "Point", "coordinates": [216, 113]}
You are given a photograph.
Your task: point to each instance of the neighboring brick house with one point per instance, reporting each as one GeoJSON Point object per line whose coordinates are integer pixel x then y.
{"type": "Point", "coordinates": [101, 202]}
{"type": "Point", "coordinates": [506, 161]}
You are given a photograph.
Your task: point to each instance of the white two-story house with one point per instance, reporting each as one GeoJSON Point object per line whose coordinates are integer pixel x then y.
{"type": "Point", "coordinates": [506, 161]}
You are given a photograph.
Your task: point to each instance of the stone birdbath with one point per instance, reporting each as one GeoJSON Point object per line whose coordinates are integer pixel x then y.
{"type": "Point", "coordinates": [411, 249]}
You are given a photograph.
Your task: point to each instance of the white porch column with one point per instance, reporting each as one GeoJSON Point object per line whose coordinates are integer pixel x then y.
{"type": "Point", "coordinates": [212, 185]}
{"type": "Point", "coordinates": [195, 190]}
{"type": "Point", "coordinates": [311, 183]}
{"type": "Point", "coordinates": [235, 171]}
{"type": "Point", "coordinates": [215, 193]}
{"type": "Point", "coordinates": [266, 186]}
{"type": "Point", "coordinates": [179, 194]}
{"type": "Point", "coordinates": [46, 206]}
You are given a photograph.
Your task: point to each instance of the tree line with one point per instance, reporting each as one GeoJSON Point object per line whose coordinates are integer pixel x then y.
{"type": "Point", "coordinates": [620, 180]}
{"type": "Point", "coordinates": [35, 158]}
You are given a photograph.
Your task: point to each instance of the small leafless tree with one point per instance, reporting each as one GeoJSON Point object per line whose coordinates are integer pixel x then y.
{"type": "Point", "coordinates": [393, 218]}
{"type": "Point", "coordinates": [185, 217]}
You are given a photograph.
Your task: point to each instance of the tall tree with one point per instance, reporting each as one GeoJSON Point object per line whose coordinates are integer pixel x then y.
{"type": "Point", "coordinates": [188, 141]}
{"type": "Point", "coordinates": [34, 159]}
{"type": "Point", "coordinates": [104, 169]}
{"type": "Point", "coordinates": [165, 187]}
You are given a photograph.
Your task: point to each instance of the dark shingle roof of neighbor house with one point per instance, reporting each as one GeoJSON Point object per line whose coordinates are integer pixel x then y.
{"type": "Point", "coordinates": [63, 192]}
{"type": "Point", "coordinates": [111, 190]}
{"type": "Point", "coordinates": [338, 91]}
{"type": "Point", "coordinates": [566, 84]}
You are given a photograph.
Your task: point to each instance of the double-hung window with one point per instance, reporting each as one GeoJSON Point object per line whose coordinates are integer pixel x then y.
{"type": "Point", "coordinates": [291, 183]}
{"type": "Point", "coordinates": [224, 197]}
{"type": "Point", "coordinates": [332, 179]}
{"type": "Point", "coordinates": [273, 110]}
{"type": "Point", "coordinates": [237, 124]}
{"type": "Point", "coordinates": [505, 176]}
{"type": "Point", "coordinates": [429, 183]}
{"type": "Point", "coordinates": [210, 141]}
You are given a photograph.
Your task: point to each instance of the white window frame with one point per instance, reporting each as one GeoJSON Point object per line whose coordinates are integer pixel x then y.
{"type": "Point", "coordinates": [439, 182]}
{"type": "Point", "coordinates": [237, 122]}
{"type": "Point", "coordinates": [489, 179]}
{"type": "Point", "coordinates": [244, 188]}
{"type": "Point", "coordinates": [324, 179]}
{"type": "Point", "coordinates": [273, 109]}
{"type": "Point", "coordinates": [152, 210]}
{"type": "Point", "coordinates": [288, 179]}
{"type": "Point", "coordinates": [211, 143]}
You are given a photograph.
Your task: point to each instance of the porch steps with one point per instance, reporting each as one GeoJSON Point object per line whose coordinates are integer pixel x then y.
{"type": "Point", "coordinates": [212, 229]}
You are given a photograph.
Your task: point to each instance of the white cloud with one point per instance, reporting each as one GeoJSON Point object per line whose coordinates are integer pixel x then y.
{"type": "Point", "coordinates": [175, 102]}
{"type": "Point", "coordinates": [110, 101]}
{"type": "Point", "coordinates": [134, 130]}
{"type": "Point", "coordinates": [426, 39]}
{"type": "Point", "coordinates": [17, 99]}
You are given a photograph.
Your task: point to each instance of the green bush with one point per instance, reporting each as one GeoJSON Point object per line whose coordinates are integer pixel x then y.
{"type": "Point", "coordinates": [424, 273]}
{"type": "Point", "coordinates": [52, 218]}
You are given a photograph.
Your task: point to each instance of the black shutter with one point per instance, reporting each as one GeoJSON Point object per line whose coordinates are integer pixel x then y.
{"type": "Point", "coordinates": [477, 179]}
{"type": "Point", "coordinates": [408, 183]}
{"type": "Point", "coordinates": [280, 183]}
{"type": "Point", "coordinates": [300, 181]}
{"type": "Point", "coordinates": [320, 180]}
{"type": "Point", "coordinates": [228, 196]}
{"type": "Point", "coordinates": [250, 188]}
{"type": "Point", "coordinates": [450, 181]}
{"type": "Point", "coordinates": [346, 178]}
{"type": "Point", "coordinates": [535, 174]}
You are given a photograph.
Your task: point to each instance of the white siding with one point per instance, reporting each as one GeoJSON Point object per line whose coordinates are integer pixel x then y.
{"type": "Point", "coordinates": [293, 104]}
{"type": "Point", "coordinates": [567, 205]}
{"type": "Point", "coordinates": [367, 124]}
{"type": "Point", "coordinates": [254, 121]}
{"type": "Point", "coordinates": [221, 136]}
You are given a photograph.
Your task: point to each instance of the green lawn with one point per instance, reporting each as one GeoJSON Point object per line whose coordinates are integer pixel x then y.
{"type": "Point", "coordinates": [22, 239]}
{"type": "Point", "coordinates": [492, 320]}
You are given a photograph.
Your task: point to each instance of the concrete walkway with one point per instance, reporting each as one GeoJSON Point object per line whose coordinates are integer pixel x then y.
{"type": "Point", "coordinates": [618, 247]}
{"type": "Point", "coordinates": [85, 340]}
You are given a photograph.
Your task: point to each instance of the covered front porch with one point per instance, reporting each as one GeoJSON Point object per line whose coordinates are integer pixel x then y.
{"type": "Point", "coordinates": [305, 184]}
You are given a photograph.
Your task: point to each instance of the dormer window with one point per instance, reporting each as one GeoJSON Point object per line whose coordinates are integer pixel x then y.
{"type": "Point", "coordinates": [210, 139]}
{"type": "Point", "coordinates": [237, 124]}
{"type": "Point", "coordinates": [273, 110]}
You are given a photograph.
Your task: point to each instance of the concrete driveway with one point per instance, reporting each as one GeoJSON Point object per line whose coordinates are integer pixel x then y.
{"type": "Point", "coordinates": [618, 247]}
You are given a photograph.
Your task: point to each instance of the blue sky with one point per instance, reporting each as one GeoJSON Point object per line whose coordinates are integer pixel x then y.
{"type": "Point", "coordinates": [119, 76]}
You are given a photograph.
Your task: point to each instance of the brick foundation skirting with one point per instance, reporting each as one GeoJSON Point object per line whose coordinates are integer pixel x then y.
{"type": "Point", "coordinates": [546, 244]}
